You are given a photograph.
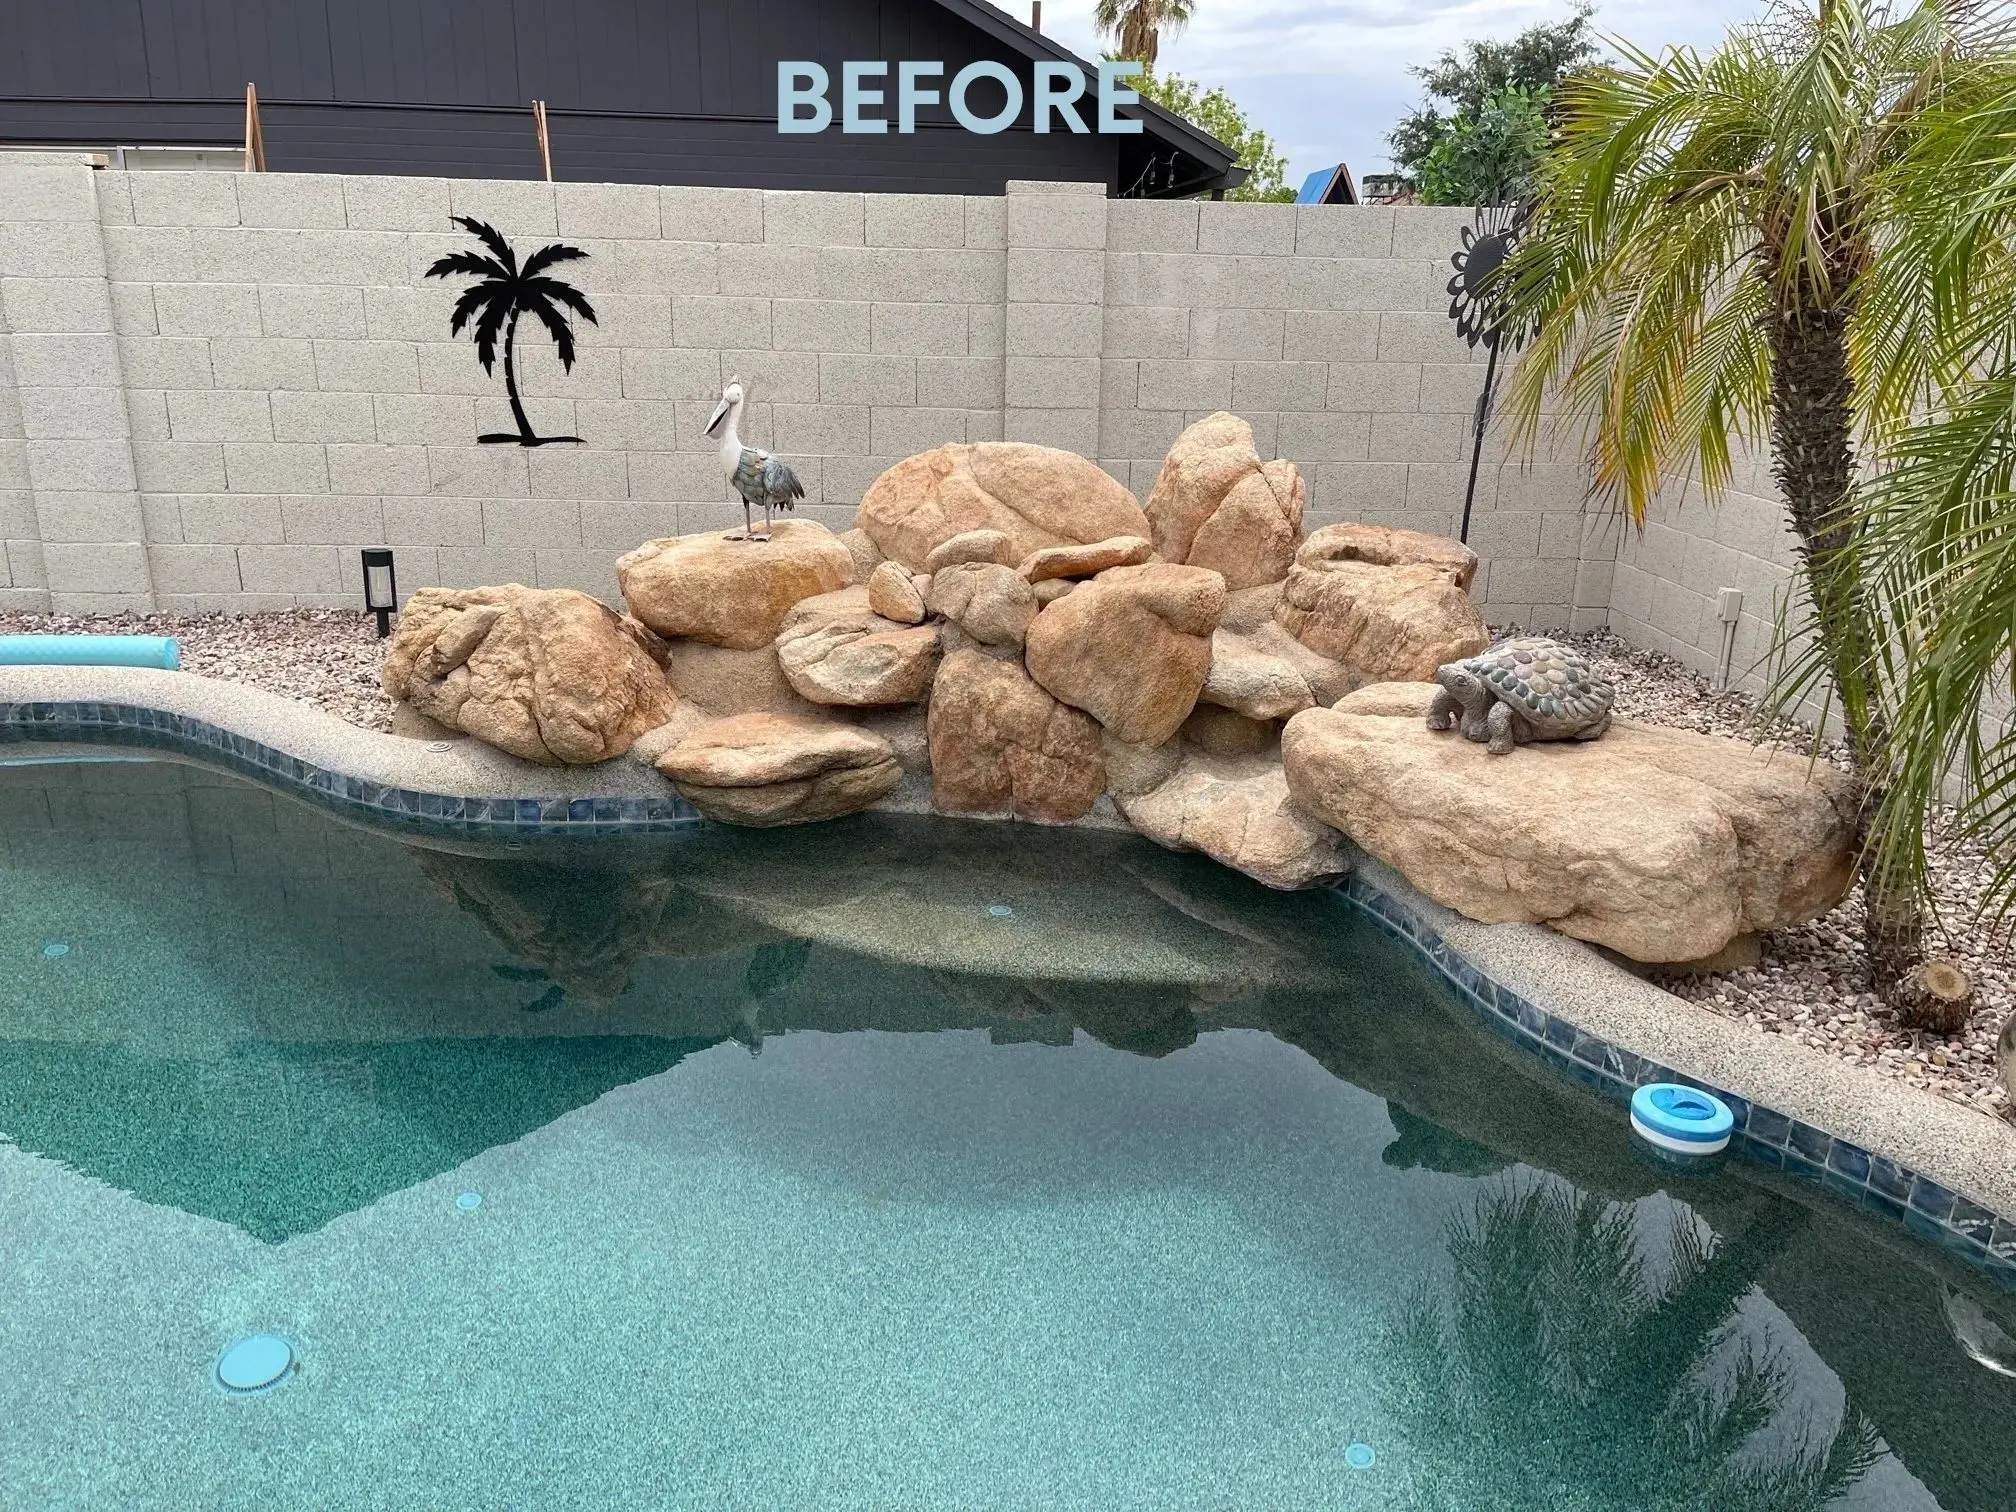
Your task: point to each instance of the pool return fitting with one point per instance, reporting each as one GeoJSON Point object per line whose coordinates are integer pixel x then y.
{"type": "Point", "coordinates": [1681, 1120]}
{"type": "Point", "coordinates": [157, 651]}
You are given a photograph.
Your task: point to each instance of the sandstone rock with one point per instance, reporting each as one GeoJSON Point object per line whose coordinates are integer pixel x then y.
{"type": "Point", "coordinates": [1660, 844]}
{"type": "Point", "coordinates": [1328, 680]}
{"type": "Point", "coordinates": [1001, 745]}
{"type": "Point", "coordinates": [971, 546]}
{"type": "Point", "coordinates": [1217, 505]}
{"type": "Point", "coordinates": [1220, 732]}
{"type": "Point", "coordinates": [549, 675]}
{"type": "Point", "coordinates": [1247, 610]}
{"type": "Point", "coordinates": [834, 649]}
{"type": "Point", "coordinates": [993, 604]}
{"type": "Point", "coordinates": [1035, 495]}
{"type": "Point", "coordinates": [906, 732]}
{"type": "Point", "coordinates": [1085, 561]}
{"type": "Point", "coordinates": [861, 546]}
{"type": "Point", "coordinates": [770, 769]}
{"type": "Point", "coordinates": [729, 592]}
{"type": "Point", "coordinates": [1052, 589]}
{"type": "Point", "coordinates": [1392, 605]}
{"type": "Point", "coordinates": [1138, 768]}
{"type": "Point", "coordinates": [1248, 680]}
{"type": "Point", "coordinates": [1237, 810]}
{"type": "Point", "coordinates": [1131, 647]}
{"type": "Point", "coordinates": [725, 682]}
{"type": "Point", "coordinates": [893, 594]}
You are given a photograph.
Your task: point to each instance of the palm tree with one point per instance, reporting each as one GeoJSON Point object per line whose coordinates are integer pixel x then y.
{"type": "Point", "coordinates": [505, 291]}
{"type": "Point", "coordinates": [1565, 1369]}
{"type": "Point", "coordinates": [1712, 238]}
{"type": "Point", "coordinates": [1137, 26]}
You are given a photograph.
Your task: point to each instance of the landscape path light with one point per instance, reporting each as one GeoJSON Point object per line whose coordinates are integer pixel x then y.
{"type": "Point", "coordinates": [381, 587]}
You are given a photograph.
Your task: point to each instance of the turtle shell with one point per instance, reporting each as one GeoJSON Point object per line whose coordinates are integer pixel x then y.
{"type": "Point", "coordinates": [1545, 681]}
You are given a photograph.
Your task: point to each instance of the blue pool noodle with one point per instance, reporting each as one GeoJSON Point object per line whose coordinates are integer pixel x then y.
{"type": "Point", "coordinates": [158, 651]}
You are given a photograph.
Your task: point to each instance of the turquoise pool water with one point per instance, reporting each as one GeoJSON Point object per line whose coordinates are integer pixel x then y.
{"type": "Point", "coordinates": [890, 1165]}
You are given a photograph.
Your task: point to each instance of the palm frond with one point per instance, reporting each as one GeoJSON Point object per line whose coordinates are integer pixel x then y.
{"type": "Point", "coordinates": [492, 238]}
{"type": "Point", "coordinates": [555, 323]}
{"type": "Point", "coordinates": [547, 256]}
{"type": "Point", "coordinates": [471, 264]}
{"type": "Point", "coordinates": [561, 293]}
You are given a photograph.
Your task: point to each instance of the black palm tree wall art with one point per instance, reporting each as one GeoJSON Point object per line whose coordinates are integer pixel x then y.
{"type": "Point", "coordinates": [504, 290]}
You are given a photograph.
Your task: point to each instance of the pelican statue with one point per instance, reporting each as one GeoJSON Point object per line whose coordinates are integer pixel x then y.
{"type": "Point", "coordinates": [756, 475]}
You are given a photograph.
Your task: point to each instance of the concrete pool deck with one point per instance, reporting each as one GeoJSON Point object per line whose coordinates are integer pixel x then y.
{"type": "Point", "coordinates": [462, 782]}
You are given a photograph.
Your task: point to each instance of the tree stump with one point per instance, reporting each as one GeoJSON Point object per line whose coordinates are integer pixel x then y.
{"type": "Point", "coordinates": [1936, 997]}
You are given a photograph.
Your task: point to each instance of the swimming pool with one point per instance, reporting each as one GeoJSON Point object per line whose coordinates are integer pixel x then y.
{"type": "Point", "coordinates": [896, 1164]}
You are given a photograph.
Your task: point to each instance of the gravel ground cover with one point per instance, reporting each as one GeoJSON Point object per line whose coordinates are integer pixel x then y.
{"type": "Point", "coordinates": [1812, 984]}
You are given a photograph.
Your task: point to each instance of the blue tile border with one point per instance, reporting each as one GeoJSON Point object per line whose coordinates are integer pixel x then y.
{"type": "Point", "coordinates": [445, 814]}
{"type": "Point", "coordinates": [1799, 1150]}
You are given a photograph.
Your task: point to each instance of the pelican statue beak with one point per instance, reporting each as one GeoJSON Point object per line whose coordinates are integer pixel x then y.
{"type": "Point", "coordinates": [720, 414]}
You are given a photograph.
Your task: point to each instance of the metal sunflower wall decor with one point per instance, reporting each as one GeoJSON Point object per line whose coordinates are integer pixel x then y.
{"type": "Point", "coordinates": [504, 290]}
{"type": "Point", "coordinates": [1477, 306]}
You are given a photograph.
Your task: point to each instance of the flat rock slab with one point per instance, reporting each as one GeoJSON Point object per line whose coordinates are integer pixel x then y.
{"type": "Point", "coordinates": [1660, 844]}
{"type": "Point", "coordinates": [1392, 605]}
{"type": "Point", "coordinates": [835, 650]}
{"type": "Point", "coordinates": [1237, 810]}
{"type": "Point", "coordinates": [770, 769]}
{"type": "Point", "coordinates": [727, 591]}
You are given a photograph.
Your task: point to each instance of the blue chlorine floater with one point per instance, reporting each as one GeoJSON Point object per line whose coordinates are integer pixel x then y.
{"type": "Point", "coordinates": [1681, 1120]}
{"type": "Point", "coordinates": [158, 651]}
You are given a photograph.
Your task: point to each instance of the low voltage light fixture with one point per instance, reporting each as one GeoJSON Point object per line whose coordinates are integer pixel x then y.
{"type": "Point", "coordinates": [381, 587]}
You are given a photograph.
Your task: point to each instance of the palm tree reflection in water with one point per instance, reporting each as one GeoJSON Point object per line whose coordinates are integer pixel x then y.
{"type": "Point", "coordinates": [1572, 1368]}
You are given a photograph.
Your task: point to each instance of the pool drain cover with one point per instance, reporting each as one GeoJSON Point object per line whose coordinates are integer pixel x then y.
{"type": "Point", "coordinates": [1360, 1457]}
{"type": "Point", "coordinates": [1000, 911]}
{"type": "Point", "coordinates": [468, 1202]}
{"type": "Point", "coordinates": [55, 948]}
{"type": "Point", "coordinates": [256, 1364]}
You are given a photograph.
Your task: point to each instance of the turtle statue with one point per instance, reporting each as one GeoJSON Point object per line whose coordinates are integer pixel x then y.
{"type": "Point", "coordinates": [1524, 689]}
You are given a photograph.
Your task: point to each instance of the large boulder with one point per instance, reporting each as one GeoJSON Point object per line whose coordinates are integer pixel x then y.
{"type": "Point", "coordinates": [549, 675]}
{"type": "Point", "coordinates": [993, 604]}
{"type": "Point", "coordinates": [1661, 844]}
{"type": "Point", "coordinates": [834, 649]}
{"type": "Point", "coordinates": [732, 592]}
{"type": "Point", "coordinates": [725, 682]}
{"type": "Point", "coordinates": [1131, 647]}
{"type": "Point", "coordinates": [1237, 810]}
{"type": "Point", "coordinates": [1253, 682]}
{"type": "Point", "coordinates": [1001, 745]}
{"type": "Point", "coordinates": [1392, 605]}
{"type": "Point", "coordinates": [765, 770]}
{"type": "Point", "coordinates": [1217, 505]}
{"type": "Point", "coordinates": [1036, 496]}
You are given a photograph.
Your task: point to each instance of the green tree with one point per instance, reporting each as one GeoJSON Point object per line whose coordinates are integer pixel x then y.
{"type": "Point", "coordinates": [1712, 261]}
{"type": "Point", "coordinates": [1480, 146]}
{"type": "Point", "coordinates": [1218, 113]}
{"type": "Point", "coordinates": [1137, 26]}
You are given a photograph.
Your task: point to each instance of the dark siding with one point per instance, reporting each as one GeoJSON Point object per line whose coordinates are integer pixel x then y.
{"type": "Point", "coordinates": [642, 91]}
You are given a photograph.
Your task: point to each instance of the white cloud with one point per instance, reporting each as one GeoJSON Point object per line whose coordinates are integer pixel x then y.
{"type": "Point", "coordinates": [1328, 78]}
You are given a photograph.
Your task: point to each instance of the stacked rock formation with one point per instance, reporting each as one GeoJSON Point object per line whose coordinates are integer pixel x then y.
{"type": "Point", "coordinates": [1008, 632]}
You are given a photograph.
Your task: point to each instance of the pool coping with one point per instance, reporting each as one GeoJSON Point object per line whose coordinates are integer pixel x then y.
{"type": "Point", "coordinates": [1944, 1172]}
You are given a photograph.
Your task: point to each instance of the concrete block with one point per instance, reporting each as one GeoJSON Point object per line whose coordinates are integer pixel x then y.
{"type": "Point", "coordinates": [713, 321]}
{"type": "Point", "coordinates": [44, 249]}
{"type": "Point", "coordinates": [960, 382]}
{"type": "Point", "coordinates": [56, 192]}
{"type": "Point", "coordinates": [986, 330]}
{"type": "Point", "coordinates": [1056, 221]}
{"type": "Point", "coordinates": [115, 570]}
{"type": "Point", "coordinates": [771, 377]}
{"type": "Point", "coordinates": [1375, 387]}
{"type": "Point", "coordinates": [323, 417]}
{"type": "Point", "coordinates": [821, 325]}
{"type": "Point", "coordinates": [1247, 335]}
{"type": "Point", "coordinates": [366, 367]}
{"type": "Point", "coordinates": [710, 215]}
{"type": "Point", "coordinates": [983, 425]}
{"type": "Point", "coordinates": [1437, 488]}
{"type": "Point", "coordinates": [916, 220]}
{"type": "Point", "coordinates": [74, 414]}
{"type": "Point", "coordinates": [904, 430]}
{"type": "Point", "coordinates": [1542, 486]}
{"type": "Point", "coordinates": [450, 367]}
{"type": "Point", "coordinates": [767, 272]}
{"type": "Point", "coordinates": [300, 201]}
{"type": "Point", "coordinates": [1681, 613]}
{"type": "Point", "coordinates": [1119, 384]}
{"type": "Point", "coordinates": [590, 572]}
{"type": "Point", "coordinates": [479, 472]}
{"type": "Point", "coordinates": [290, 569]}
{"type": "Point", "coordinates": [230, 519]}
{"type": "Point", "coordinates": [1054, 330]}
{"type": "Point", "coordinates": [160, 519]}
{"type": "Point", "coordinates": [314, 310]}
{"type": "Point", "coordinates": [178, 467]}
{"type": "Point", "coordinates": [161, 362]}
{"type": "Point", "coordinates": [115, 198]}
{"type": "Point", "coordinates": [636, 425]}
{"type": "Point", "coordinates": [1354, 490]}
{"type": "Point", "coordinates": [562, 472]}
{"type": "Point", "coordinates": [197, 198]}
{"type": "Point", "coordinates": [57, 305]}
{"type": "Point", "coordinates": [432, 522]}
{"type": "Point", "coordinates": [675, 476]}
{"type": "Point", "coordinates": [515, 207]}
{"type": "Point", "coordinates": [607, 210]}
{"type": "Point", "coordinates": [207, 309]}
{"type": "Point", "coordinates": [549, 417]}
{"type": "Point", "coordinates": [418, 314]}
{"type": "Point", "coordinates": [333, 520]}
{"type": "Point", "coordinates": [75, 360]}
{"type": "Point", "coordinates": [867, 380]}
{"type": "Point", "coordinates": [1325, 437]}
{"type": "Point", "coordinates": [929, 275]}
{"type": "Point", "coordinates": [1055, 383]}
{"type": "Point", "coordinates": [1417, 438]}
{"type": "Point", "coordinates": [261, 362]}
{"type": "Point", "coordinates": [1506, 536]}
{"type": "Point", "coordinates": [814, 218]}
{"type": "Point", "coordinates": [1245, 283]}
{"type": "Point", "coordinates": [672, 373]}
{"type": "Point", "coordinates": [274, 467]}
{"type": "Point", "coordinates": [617, 526]}
{"type": "Point", "coordinates": [1057, 277]}
{"type": "Point", "coordinates": [1069, 430]}
{"type": "Point", "coordinates": [423, 419]}
{"type": "Point", "coordinates": [664, 268]}
{"type": "Point", "coordinates": [821, 429]}
{"type": "Point", "coordinates": [1418, 336]}
{"type": "Point", "coordinates": [1356, 231]}
{"type": "Point", "coordinates": [1139, 433]}
{"type": "Point", "coordinates": [25, 568]}
{"type": "Point", "coordinates": [1452, 389]}
{"type": "Point", "coordinates": [923, 330]}
{"type": "Point", "coordinates": [624, 320]}
{"type": "Point", "coordinates": [387, 203]}
{"type": "Point", "coordinates": [1185, 385]}
{"type": "Point", "coordinates": [81, 466]}
{"type": "Point", "coordinates": [1429, 232]}
{"type": "Point", "coordinates": [147, 414]}
{"type": "Point", "coordinates": [89, 516]}
{"type": "Point", "coordinates": [1255, 229]}
{"type": "Point", "coordinates": [1562, 535]}
{"type": "Point", "coordinates": [1335, 283]}
{"type": "Point", "coordinates": [1152, 225]}
{"type": "Point", "coordinates": [1279, 386]}
{"type": "Point", "coordinates": [853, 273]}
{"type": "Point", "coordinates": [986, 222]}
{"type": "Point", "coordinates": [1089, 188]}
{"type": "Point", "coordinates": [1146, 331]}
{"type": "Point", "coordinates": [535, 522]}
{"type": "Point", "coordinates": [132, 309]}
{"type": "Point", "coordinates": [478, 566]}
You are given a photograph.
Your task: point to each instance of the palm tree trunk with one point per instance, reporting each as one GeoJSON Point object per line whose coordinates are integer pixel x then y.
{"type": "Point", "coordinates": [525, 436]}
{"type": "Point", "coordinates": [1813, 460]}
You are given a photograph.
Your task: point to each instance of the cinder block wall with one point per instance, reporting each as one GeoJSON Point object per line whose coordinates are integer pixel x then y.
{"type": "Point", "coordinates": [219, 386]}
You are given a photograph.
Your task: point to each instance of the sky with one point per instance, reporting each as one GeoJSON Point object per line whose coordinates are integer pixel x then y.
{"type": "Point", "coordinates": [1328, 78]}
